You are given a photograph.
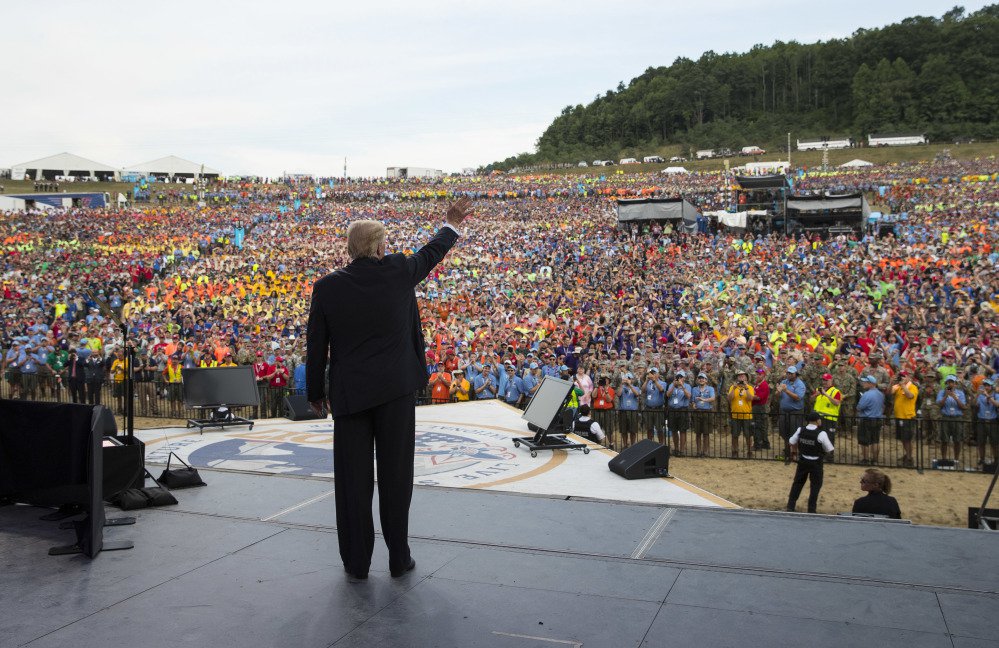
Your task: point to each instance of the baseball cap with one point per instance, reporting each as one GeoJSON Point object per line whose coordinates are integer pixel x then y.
{"type": "Point", "coordinates": [629, 375]}
{"type": "Point", "coordinates": [260, 353]}
{"type": "Point", "coordinates": [461, 371]}
{"type": "Point", "coordinates": [951, 378]}
{"type": "Point", "coordinates": [792, 369]}
{"type": "Point", "coordinates": [681, 373]}
{"type": "Point", "coordinates": [563, 368]}
{"type": "Point", "coordinates": [534, 365]}
{"type": "Point", "coordinates": [870, 379]}
{"type": "Point", "coordinates": [651, 369]}
{"type": "Point", "coordinates": [826, 376]}
{"type": "Point", "coordinates": [279, 359]}
{"type": "Point", "coordinates": [702, 375]}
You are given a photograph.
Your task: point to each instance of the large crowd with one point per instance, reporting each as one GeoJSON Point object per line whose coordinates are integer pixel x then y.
{"type": "Point", "coordinates": [543, 282]}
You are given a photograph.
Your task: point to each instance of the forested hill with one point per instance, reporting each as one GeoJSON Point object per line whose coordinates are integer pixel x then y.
{"type": "Point", "coordinates": [938, 76]}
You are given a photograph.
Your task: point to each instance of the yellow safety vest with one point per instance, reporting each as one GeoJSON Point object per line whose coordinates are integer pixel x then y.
{"type": "Point", "coordinates": [173, 373]}
{"type": "Point", "coordinates": [825, 403]}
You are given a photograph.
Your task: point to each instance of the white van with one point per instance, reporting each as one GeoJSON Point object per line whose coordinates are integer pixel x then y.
{"type": "Point", "coordinates": [628, 161]}
{"type": "Point", "coordinates": [752, 150]}
{"type": "Point", "coordinates": [652, 159]}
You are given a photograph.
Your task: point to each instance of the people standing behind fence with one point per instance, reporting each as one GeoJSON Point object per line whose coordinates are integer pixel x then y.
{"type": "Point", "coordinates": [877, 485]}
{"type": "Point", "coordinates": [653, 400]}
{"type": "Point", "coordinates": [76, 377]}
{"type": "Point", "coordinates": [791, 392]}
{"type": "Point", "coordinates": [905, 395]}
{"type": "Point", "coordinates": [95, 373]}
{"type": "Point", "coordinates": [986, 425]}
{"type": "Point", "coordinates": [828, 400]}
{"type": "Point", "coordinates": [678, 396]}
{"type": "Point", "coordinates": [870, 412]}
{"type": "Point", "coordinates": [459, 389]}
{"type": "Point", "coordinates": [702, 401]}
{"type": "Point", "coordinates": [740, 404]}
{"type": "Point", "coordinates": [277, 386]}
{"type": "Point", "coordinates": [952, 403]}
{"type": "Point", "coordinates": [145, 384]}
{"type": "Point", "coordinates": [761, 413]}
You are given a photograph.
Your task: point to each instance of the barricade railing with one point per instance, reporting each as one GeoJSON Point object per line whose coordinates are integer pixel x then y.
{"type": "Point", "coordinates": [893, 443]}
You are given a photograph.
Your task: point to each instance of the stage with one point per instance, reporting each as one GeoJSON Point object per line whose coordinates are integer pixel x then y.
{"type": "Point", "coordinates": [251, 560]}
{"type": "Point", "coordinates": [459, 445]}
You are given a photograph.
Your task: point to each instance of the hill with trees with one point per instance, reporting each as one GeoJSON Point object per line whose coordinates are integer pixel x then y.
{"type": "Point", "coordinates": [935, 76]}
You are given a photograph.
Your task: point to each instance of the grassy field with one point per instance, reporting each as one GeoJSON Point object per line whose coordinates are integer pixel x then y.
{"type": "Point", "coordinates": [809, 159]}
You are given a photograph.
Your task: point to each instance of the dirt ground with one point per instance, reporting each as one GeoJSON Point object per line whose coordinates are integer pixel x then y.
{"type": "Point", "coordinates": [935, 497]}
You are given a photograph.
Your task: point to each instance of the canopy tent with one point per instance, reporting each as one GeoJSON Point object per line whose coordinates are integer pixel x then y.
{"type": "Point", "coordinates": [828, 213]}
{"type": "Point", "coordinates": [644, 209]}
{"type": "Point", "coordinates": [675, 169]}
{"type": "Point", "coordinates": [63, 164]}
{"type": "Point", "coordinates": [173, 167]}
{"type": "Point", "coordinates": [856, 163]}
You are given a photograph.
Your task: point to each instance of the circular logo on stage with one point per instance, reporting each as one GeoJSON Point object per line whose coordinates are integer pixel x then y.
{"type": "Point", "coordinates": [279, 458]}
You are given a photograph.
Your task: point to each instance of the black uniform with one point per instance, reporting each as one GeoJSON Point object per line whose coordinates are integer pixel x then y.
{"type": "Point", "coordinates": [879, 504]}
{"type": "Point", "coordinates": [813, 442]}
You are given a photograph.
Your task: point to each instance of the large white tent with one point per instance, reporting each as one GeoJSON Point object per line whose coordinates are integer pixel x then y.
{"type": "Point", "coordinates": [63, 164]}
{"type": "Point", "coordinates": [856, 163]}
{"type": "Point", "coordinates": [172, 166]}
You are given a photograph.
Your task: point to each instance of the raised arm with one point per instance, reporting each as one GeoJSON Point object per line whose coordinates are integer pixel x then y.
{"type": "Point", "coordinates": [428, 256]}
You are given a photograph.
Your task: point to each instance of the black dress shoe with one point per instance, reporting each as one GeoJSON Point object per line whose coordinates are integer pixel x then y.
{"type": "Point", "coordinates": [355, 578]}
{"type": "Point", "coordinates": [396, 573]}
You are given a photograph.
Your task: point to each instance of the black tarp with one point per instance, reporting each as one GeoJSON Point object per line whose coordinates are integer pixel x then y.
{"type": "Point", "coordinates": [763, 182]}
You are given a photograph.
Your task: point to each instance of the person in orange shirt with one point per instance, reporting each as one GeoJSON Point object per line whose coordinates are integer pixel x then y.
{"type": "Point", "coordinates": [440, 386]}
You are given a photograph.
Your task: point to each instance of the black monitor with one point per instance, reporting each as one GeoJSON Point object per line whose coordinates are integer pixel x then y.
{"type": "Point", "coordinates": [217, 386]}
{"type": "Point", "coordinates": [51, 455]}
{"type": "Point", "coordinates": [547, 402]}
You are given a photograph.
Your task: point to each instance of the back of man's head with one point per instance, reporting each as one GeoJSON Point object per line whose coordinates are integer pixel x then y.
{"type": "Point", "coordinates": [364, 237]}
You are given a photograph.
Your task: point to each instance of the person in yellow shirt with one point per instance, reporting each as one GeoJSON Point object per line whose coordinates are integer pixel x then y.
{"type": "Point", "coordinates": [118, 376]}
{"type": "Point", "coordinates": [459, 386]}
{"type": "Point", "coordinates": [904, 394]}
{"type": "Point", "coordinates": [740, 398]}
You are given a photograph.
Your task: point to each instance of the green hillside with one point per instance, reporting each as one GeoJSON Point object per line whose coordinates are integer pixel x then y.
{"type": "Point", "coordinates": [935, 76]}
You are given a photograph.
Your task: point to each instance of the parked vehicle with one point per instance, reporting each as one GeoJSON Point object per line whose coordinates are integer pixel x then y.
{"type": "Point", "coordinates": [628, 161]}
{"type": "Point", "coordinates": [582, 164]}
{"type": "Point", "coordinates": [678, 158]}
{"type": "Point", "coordinates": [752, 150]}
{"type": "Point", "coordinates": [652, 159]}
{"type": "Point", "coordinates": [705, 154]}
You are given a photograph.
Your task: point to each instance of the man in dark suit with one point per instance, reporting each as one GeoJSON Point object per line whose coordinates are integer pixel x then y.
{"type": "Point", "coordinates": [365, 325]}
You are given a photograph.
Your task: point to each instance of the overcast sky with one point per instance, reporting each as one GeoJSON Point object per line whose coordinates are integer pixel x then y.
{"type": "Point", "coordinates": [268, 86]}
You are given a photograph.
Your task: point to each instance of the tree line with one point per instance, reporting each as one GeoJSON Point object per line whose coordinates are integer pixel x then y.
{"type": "Point", "coordinates": [927, 75]}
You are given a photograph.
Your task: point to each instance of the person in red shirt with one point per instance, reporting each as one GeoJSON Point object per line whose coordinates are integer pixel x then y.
{"type": "Point", "coordinates": [277, 386]}
{"type": "Point", "coordinates": [262, 374]}
{"type": "Point", "coordinates": [761, 402]}
{"type": "Point", "coordinates": [603, 396]}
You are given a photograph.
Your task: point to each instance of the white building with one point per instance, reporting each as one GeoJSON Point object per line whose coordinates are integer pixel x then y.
{"type": "Point", "coordinates": [172, 167]}
{"type": "Point", "coordinates": [63, 165]}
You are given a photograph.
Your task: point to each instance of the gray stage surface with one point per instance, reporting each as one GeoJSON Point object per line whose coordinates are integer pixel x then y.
{"type": "Point", "coordinates": [252, 560]}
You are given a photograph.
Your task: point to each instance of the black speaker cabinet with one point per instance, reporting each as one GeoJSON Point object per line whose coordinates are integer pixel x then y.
{"type": "Point", "coordinates": [297, 408]}
{"type": "Point", "coordinates": [642, 460]}
{"type": "Point", "coordinates": [124, 465]}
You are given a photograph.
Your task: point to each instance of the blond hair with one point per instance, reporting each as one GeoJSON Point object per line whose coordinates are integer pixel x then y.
{"type": "Point", "coordinates": [363, 238]}
{"type": "Point", "coordinates": [877, 478]}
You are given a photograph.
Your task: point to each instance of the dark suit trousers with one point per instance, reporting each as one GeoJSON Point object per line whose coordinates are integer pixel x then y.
{"type": "Point", "coordinates": [391, 429]}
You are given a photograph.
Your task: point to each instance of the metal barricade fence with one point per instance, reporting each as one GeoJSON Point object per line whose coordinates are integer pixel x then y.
{"type": "Point", "coordinates": [892, 443]}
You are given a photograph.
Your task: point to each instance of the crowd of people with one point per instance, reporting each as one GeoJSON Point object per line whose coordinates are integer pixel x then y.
{"type": "Point", "coordinates": [725, 331]}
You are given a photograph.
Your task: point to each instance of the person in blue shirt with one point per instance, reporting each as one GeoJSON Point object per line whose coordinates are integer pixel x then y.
{"type": "Point", "coordinates": [486, 383]}
{"type": "Point", "coordinates": [677, 403]}
{"type": "Point", "coordinates": [870, 410]}
{"type": "Point", "coordinates": [551, 367]}
{"type": "Point", "coordinates": [513, 393]}
{"type": "Point", "coordinates": [702, 400]}
{"type": "Point", "coordinates": [298, 376]}
{"type": "Point", "coordinates": [987, 429]}
{"type": "Point", "coordinates": [791, 392]}
{"type": "Point", "coordinates": [653, 400]}
{"type": "Point", "coordinates": [628, 400]}
{"type": "Point", "coordinates": [531, 380]}
{"type": "Point", "coordinates": [952, 403]}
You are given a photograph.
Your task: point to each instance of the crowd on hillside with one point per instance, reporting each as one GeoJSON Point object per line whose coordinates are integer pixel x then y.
{"type": "Point", "coordinates": [543, 275]}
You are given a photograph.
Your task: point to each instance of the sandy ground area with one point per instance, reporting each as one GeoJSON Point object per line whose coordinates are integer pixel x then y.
{"type": "Point", "coordinates": [934, 497]}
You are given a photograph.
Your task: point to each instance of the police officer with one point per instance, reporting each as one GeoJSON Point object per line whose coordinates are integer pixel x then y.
{"type": "Point", "coordinates": [828, 401]}
{"type": "Point", "coordinates": [586, 427]}
{"type": "Point", "coordinates": [810, 444]}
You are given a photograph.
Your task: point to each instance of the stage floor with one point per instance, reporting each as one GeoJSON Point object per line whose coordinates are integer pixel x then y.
{"type": "Point", "coordinates": [251, 561]}
{"type": "Point", "coordinates": [459, 445]}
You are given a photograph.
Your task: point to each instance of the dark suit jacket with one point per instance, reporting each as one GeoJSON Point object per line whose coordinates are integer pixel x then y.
{"type": "Point", "coordinates": [364, 323]}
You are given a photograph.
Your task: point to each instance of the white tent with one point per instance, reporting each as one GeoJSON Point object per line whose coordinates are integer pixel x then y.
{"type": "Point", "coordinates": [63, 164]}
{"type": "Point", "coordinates": [172, 166]}
{"type": "Point", "coordinates": [675, 170]}
{"type": "Point", "coordinates": [855, 163]}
